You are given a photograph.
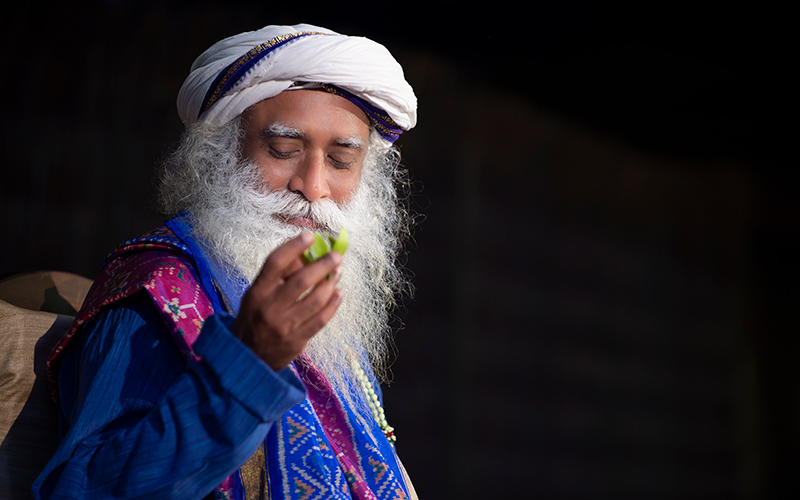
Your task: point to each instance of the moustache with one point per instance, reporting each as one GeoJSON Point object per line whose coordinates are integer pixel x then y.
{"type": "Point", "coordinates": [321, 216]}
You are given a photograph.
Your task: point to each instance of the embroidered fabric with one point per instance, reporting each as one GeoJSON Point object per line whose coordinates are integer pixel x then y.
{"type": "Point", "coordinates": [320, 448]}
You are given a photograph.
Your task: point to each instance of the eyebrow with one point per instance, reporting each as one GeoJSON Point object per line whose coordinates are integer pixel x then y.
{"type": "Point", "coordinates": [350, 142]}
{"type": "Point", "coordinates": [278, 129]}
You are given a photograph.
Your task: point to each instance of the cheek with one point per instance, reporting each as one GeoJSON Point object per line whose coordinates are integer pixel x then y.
{"type": "Point", "coordinates": [275, 178]}
{"type": "Point", "coordinates": [343, 185]}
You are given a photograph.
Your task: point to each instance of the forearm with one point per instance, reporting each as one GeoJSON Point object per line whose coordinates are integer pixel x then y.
{"type": "Point", "coordinates": [209, 416]}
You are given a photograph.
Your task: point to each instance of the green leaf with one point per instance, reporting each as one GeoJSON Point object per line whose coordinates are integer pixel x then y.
{"type": "Point", "coordinates": [340, 244]}
{"type": "Point", "coordinates": [317, 249]}
{"type": "Point", "coordinates": [322, 246]}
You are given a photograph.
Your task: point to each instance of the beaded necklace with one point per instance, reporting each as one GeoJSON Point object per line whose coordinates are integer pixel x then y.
{"type": "Point", "coordinates": [374, 404]}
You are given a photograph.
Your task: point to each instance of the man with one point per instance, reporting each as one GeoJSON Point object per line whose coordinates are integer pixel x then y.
{"type": "Point", "coordinates": [208, 358]}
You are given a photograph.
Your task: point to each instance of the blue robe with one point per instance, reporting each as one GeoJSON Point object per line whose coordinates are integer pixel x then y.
{"type": "Point", "coordinates": [139, 421]}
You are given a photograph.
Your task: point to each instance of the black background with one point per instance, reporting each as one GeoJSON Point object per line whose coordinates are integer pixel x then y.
{"type": "Point", "coordinates": [603, 268]}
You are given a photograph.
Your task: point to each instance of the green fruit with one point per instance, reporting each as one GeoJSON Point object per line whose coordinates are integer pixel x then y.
{"type": "Point", "coordinates": [340, 243]}
{"type": "Point", "coordinates": [322, 246]}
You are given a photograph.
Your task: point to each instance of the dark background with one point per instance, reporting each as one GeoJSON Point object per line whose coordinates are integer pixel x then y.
{"type": "Point", "coordinates": [602, 272]}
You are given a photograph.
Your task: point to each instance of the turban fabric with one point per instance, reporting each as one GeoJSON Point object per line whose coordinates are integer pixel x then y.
{"type": "Point", "coordinates": [244, 69]}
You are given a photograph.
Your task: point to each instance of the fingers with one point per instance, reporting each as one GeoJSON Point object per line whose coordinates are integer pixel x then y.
{"type": "Point", "coordinates": [317, 273]}
{"type": "Point", "coordinates": [317, 321]}
{"type": "Point", "coordinates": [309, 315]}
{"type": "Point", "coordinates": [288, 303]}
{"type": "Point", "coordinates": [284, 259]}
{"type": "Point", "coordinates": [320, 294]}
{"type": "Point", "coordinates": [278, 332]}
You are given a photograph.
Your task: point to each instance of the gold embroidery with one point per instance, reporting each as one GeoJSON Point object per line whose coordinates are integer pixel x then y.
{"type": "Point", "coordinates": [254, 476]}
{"type": "Point", "coordinates": [248, 58]}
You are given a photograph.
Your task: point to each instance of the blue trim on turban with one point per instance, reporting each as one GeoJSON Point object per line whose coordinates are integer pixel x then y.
{"type": "Point", "coordinates": [238, 68]}
{"type": "Point", "coordinates": [385, 126]}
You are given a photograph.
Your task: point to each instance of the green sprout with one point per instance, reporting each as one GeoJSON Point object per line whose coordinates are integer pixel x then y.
{"type": "Point", "coordinates": [322, 245]}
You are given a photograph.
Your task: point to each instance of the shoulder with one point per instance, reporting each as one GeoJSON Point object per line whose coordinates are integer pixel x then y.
{"type": "Point", "coordinates": [165, 273]}
{"type": "Point", "coordinates": [170, 281]}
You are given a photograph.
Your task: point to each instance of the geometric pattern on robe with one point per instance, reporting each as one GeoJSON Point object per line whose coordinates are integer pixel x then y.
{"type": "Point", "coordinates": [319, 449]}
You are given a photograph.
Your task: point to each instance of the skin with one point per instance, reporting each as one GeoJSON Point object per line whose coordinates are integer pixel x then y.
{"type": "Point", "coordinates": [313, 143]}
{"type": "Point", "coordinates": [324, 162]}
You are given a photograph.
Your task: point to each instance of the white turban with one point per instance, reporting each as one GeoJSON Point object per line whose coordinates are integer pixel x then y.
{"type": "Point", "coordinates": [244, 69]}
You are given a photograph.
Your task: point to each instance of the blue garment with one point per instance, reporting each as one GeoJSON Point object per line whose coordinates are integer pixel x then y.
{"type": "Point", "coordinates": [138, 421]}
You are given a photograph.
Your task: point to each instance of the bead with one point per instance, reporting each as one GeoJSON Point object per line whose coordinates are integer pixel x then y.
{"type": "Point", "coordinates": [374, 404]}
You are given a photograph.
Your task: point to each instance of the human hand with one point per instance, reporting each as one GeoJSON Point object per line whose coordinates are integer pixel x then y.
{"type": "Point", "coordinates": [273, 321]}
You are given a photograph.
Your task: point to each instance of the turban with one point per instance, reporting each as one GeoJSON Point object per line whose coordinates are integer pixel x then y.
{"type": "Point", "coordinates": [241, 70]}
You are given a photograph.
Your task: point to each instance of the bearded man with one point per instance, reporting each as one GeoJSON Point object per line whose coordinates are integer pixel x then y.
{"type": "Point", "coordinates": [208, 359]}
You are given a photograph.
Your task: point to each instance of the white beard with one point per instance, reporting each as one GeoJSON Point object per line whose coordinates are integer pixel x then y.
{"type": "Point", "coordinates": [240, 222]}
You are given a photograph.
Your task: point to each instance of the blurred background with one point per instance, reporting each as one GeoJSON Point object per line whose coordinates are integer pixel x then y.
{"type": "Point", "coordinates": [603, 265]}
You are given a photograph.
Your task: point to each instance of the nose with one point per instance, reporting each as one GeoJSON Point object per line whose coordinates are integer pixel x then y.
{"type": "Point", "coordinates": [309, 179]}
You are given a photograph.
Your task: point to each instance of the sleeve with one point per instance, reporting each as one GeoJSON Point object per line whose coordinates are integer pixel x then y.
{"type": "Point", "coordinates": [141, 422]}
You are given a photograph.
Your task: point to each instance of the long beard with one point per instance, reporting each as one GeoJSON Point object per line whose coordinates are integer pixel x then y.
{"type": "Point", "coordinates": [241, 223]}
{"type": "Point", "coordinates": [234, 217]}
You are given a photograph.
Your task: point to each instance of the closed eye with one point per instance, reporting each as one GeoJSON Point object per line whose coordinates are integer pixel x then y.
{"type": "Point", "coordinates": [280, 153]}
{"type": "Point", "coordinates": [344, 165]}
{"type": "Point", "coordinates": [348, 149]}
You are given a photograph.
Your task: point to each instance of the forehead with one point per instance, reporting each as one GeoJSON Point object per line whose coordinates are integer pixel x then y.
{"type": "Point", "coordinates": [310, 112]}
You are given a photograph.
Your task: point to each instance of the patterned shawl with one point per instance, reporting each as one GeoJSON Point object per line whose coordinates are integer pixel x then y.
{"type": "Point", "coordinates": [319, 449]}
